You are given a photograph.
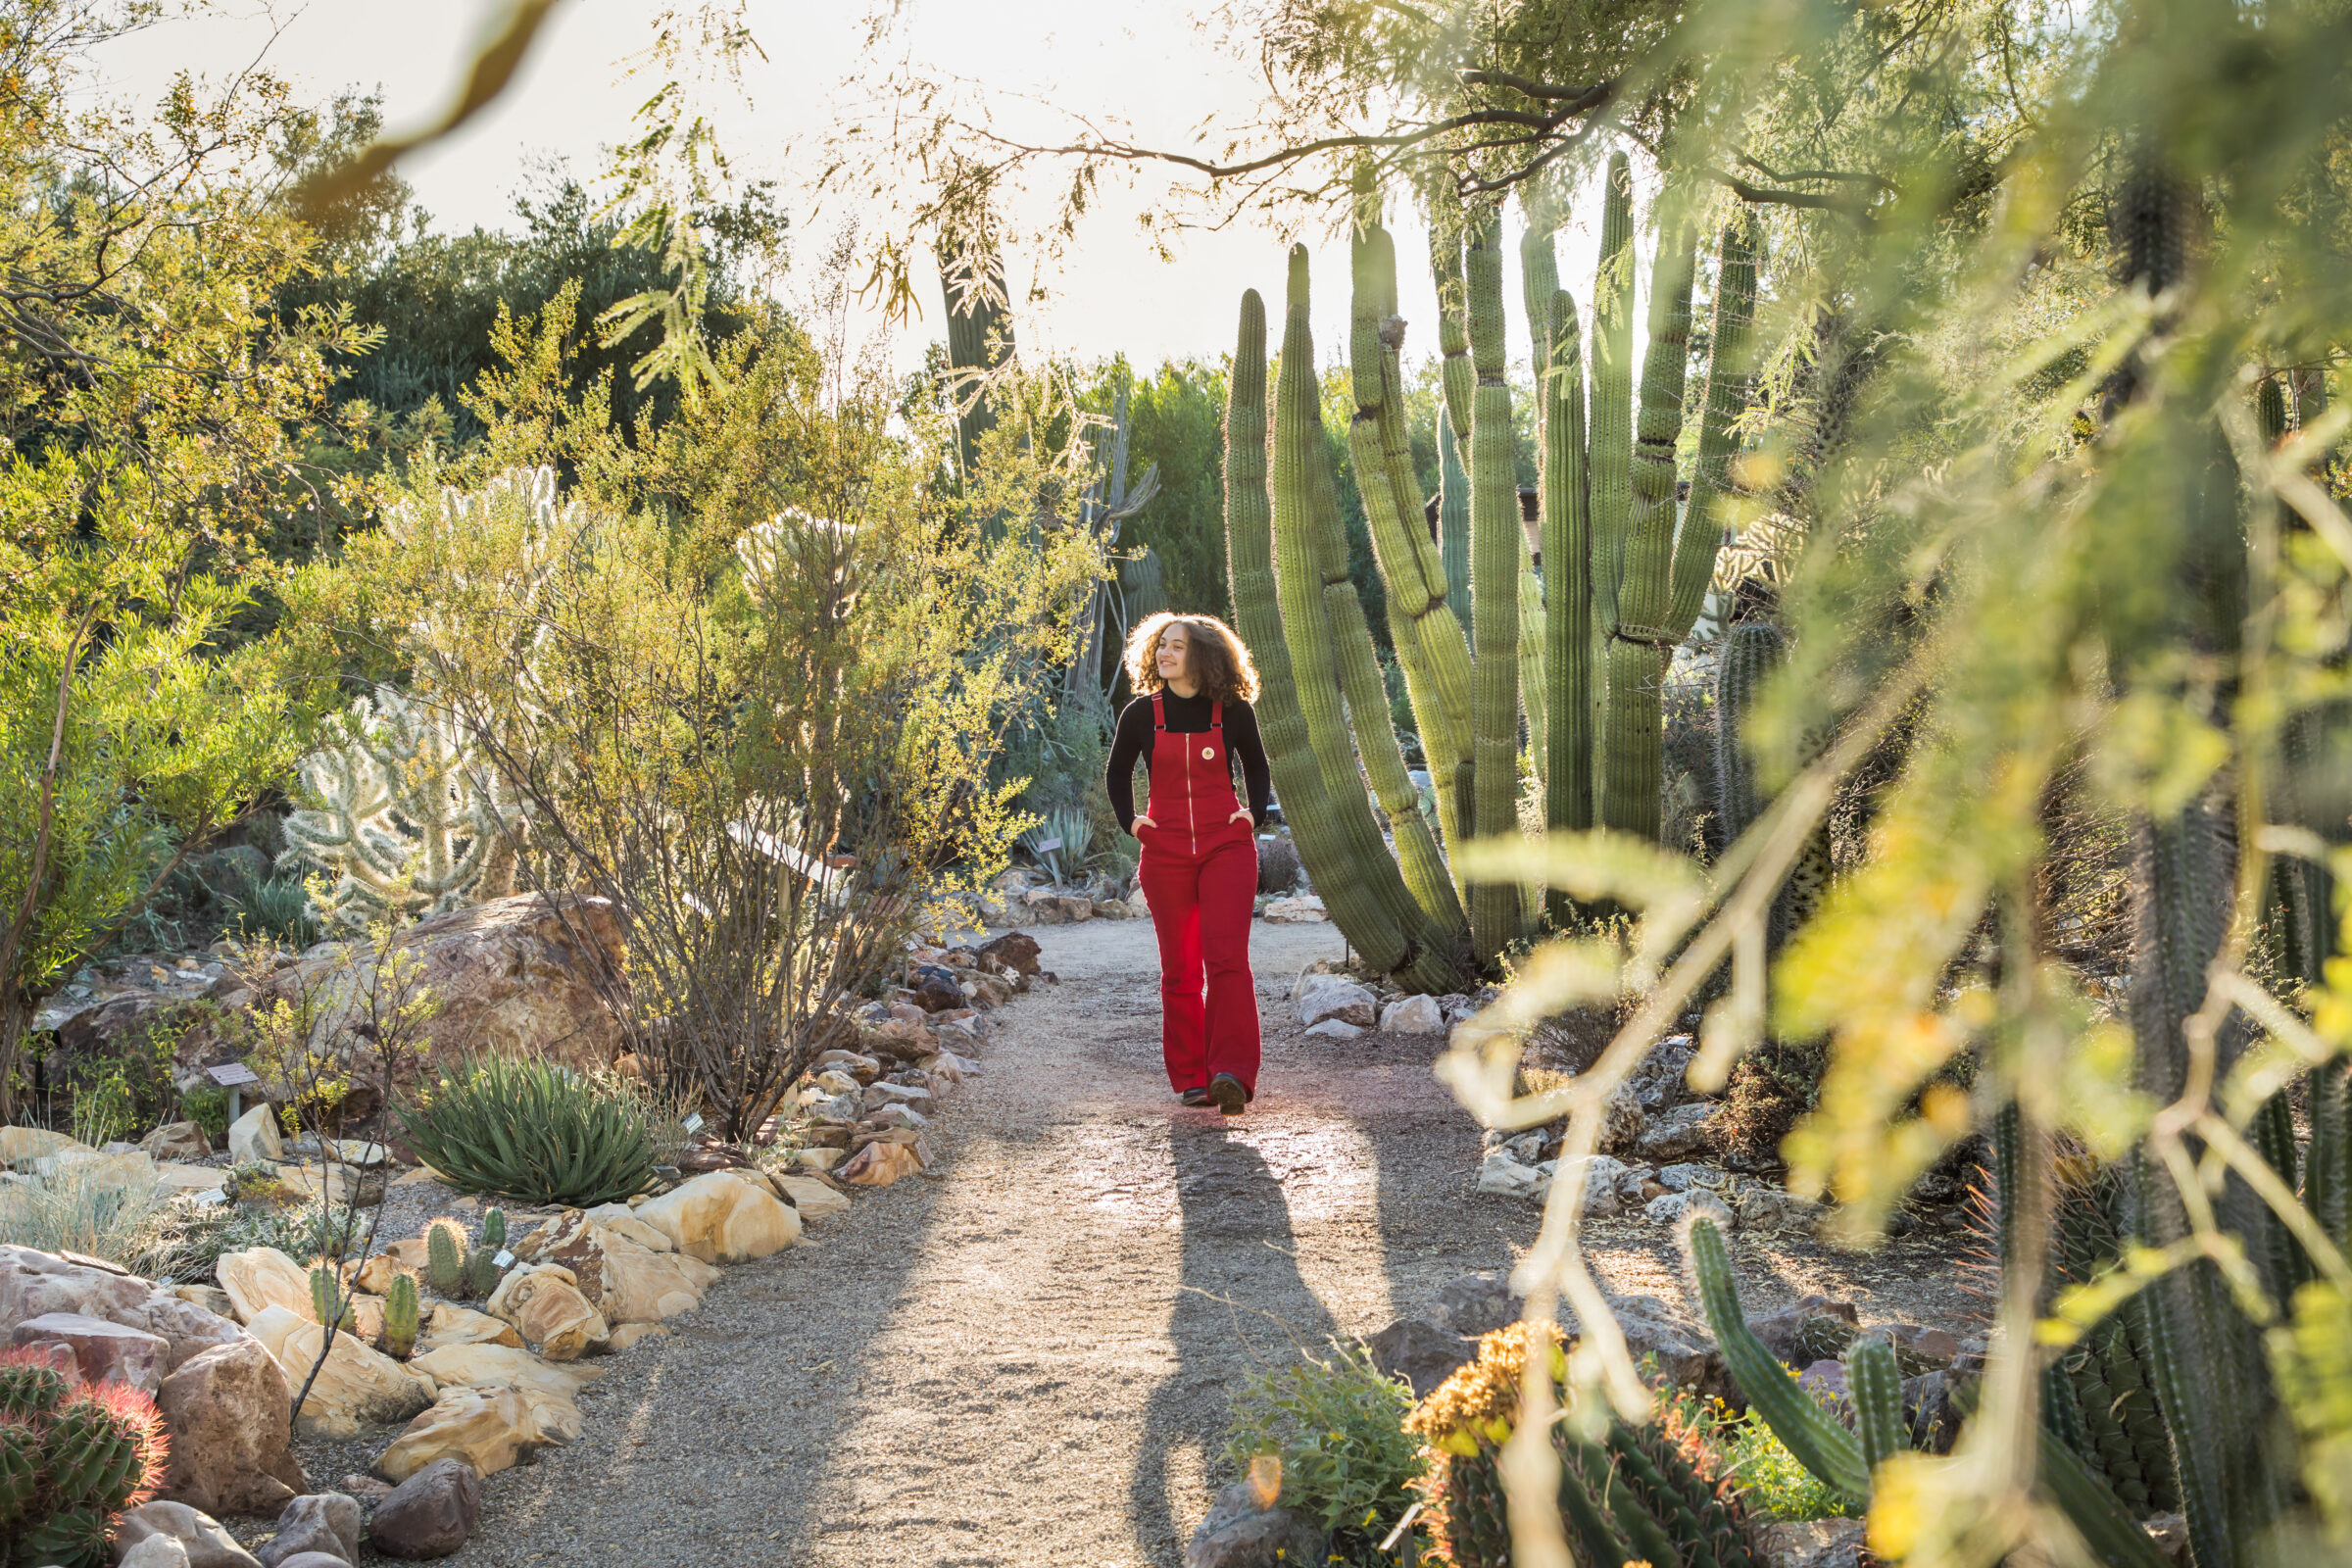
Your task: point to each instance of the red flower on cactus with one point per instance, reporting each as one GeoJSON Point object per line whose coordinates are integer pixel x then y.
{"type": "Point", "coordinates": [132, 1414]}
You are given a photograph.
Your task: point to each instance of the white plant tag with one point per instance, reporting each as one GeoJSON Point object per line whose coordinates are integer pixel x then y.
{"type": "Point", "coordinates": [693, 1123]}
{"type": "Point", "coordinates": [504, 1258]}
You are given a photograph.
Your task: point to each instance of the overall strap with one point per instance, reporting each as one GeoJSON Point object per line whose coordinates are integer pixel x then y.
{"type": "Point", "coordinates": [1159, 715]}
{"type": "Point", "coordinates": [1216, 715]}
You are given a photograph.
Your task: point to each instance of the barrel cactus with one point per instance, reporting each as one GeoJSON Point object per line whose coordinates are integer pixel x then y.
{"type": "Point", "coordinates": [445, 1247]}
{"type": "Point", "coordinates": [400, 1317]}
{"type": "Point", "coordinates": [73, 1457]}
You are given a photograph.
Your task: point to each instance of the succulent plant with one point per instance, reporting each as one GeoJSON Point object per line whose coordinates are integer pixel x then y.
{"type": "Point", "coordinates": [445, 1247]}
{"type": "Point", "coordinates": [400, 1317]}
{"type": "Point", "coordinates": [494, 1229]}
{"type": "Point", "coordinates": [71, 1460]}
{"type": "Point", "coordinates": [329, 1301]}
{"type": "Point", "coordinates": [534, 1130]}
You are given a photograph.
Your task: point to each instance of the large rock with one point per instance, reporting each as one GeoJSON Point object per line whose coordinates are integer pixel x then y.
{"type": "Point", "coordinates": [1413, 1015]}
{"type": "Point", "coordinates": [27, 1144]}
{"type": "Point", "coordinates": [1017, 951]}
{"type": "Point", "coordinates": [254, 1137]}
{"type": "Point", "coordinates": [1686, 1355]}
{"type": "Point", "coordinates": [620, 1277]}
{"type": "Point", "coordinates": [1678, 1134]}
{"type": "Point", "coordinates": [1239, 1533]}
{"type": "Point", "coordinates": [357, 1387]}
{"type": "Point", "coordinates": [106, 1352]}
{"type": "Point", "coordinates": [721, 1220]}
{"type": "Point", "coordinates": [34, 1284]}
{"type": "Point", "coordinates": [1305, 910]}
{"type": "Point", "coordinates": [156, 1551]}
{"type": "Point", "coordinates": [526, 973]}
{"type": "Point", "coordinates": [230, 1413]}
{"type": "Point", "coordinates": [452, 1324]}
{"type": "Point", "coordinates": [499, 1366]}
{"type": "Point", "coordinates": [1334, 996]}
{"type": "Point", "coordinates": [431, 1515]}
{"type": "Point", "coordinates": [544, 1302]}
{"type": "Point", "coordinates": [325, 1522]}
{"type": "Point", "coordinates": [879, 1164]}
{"type": "Point", "coordinates": [200, 1535]}
{"type": "Point", "coordinates": [1420, 1352]}
{"type": "Point", "coordinates": [178, 1140]}
{"type": "Point", "coordinates": [1812, 1544]}
{"type": "Point", "coordinates": [489, 1429]}
{"type": "Point", "coordinates": [813, 1198]}
{"type": "Point", "coordinates": [263, 1277]}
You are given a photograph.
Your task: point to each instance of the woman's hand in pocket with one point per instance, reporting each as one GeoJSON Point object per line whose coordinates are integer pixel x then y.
{"type": "Point", "coordinates": [1239, 816]}
{"type": "Point", "coordinates": [1138, 824]}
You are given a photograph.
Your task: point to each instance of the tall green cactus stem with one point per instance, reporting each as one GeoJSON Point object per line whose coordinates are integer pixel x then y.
{"type": "Point", "coordinates": [482, 1272]}
{"type": "Point", "coordinates": [1751, 650]}
{"type": "Point", "coordinates": [1495, 540]}
{"type": "Point", "coordinates": [2327, 1173]}
{"type": "Point", "coordinates": [1333, 658]}
{"type": "Point", "coordinates": [1804, 1428]}
{"type": "Point", "coordinates": [494, 1229]}
{"type": "Point", "coordinates": [1538, 281]}
{"type": "Point", "coordinates": [1249, 562]}
{"type": "Point", "coordinates": [1640, 641]}
{"type": "Point", "coordinates": [400, 1317]}
{"type": "Point", "coordinates": [1612, 410]}
{"type": "Point", "coordinates": [1877, 1387]}
{"type": "Point", "coordinates": [1568, 587]}
{"type": "Point", "coordinates": [1730, 366]}
{"type": "Point", "coordinates": [328, 1303]}
{"type": "Point", "coordinates": [1455, 380]}
{"type": "Point", "coordinates": [1423, 630]}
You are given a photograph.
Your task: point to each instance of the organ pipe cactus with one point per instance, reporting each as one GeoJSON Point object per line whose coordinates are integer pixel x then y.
{"type": "Point", "coordinates": [400, 1317]}
{"type": "Point", "coordinates": [325, 1303]}
{"type": "Point", "coordinates": [1496, 541]}
{"type": "Point", "coordinates": [1332, 655]}
{"type": "Point", "coordinates": [445, 1245]}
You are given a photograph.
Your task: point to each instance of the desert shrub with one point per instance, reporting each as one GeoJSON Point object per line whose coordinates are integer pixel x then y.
{"type": "Point", "coordinates": [194, 1239]}
{"type": "Point", "coordinates": [534, 1130]}
{"type": "Point", "coordinates": [274, 909]}
{"type": "Point", "coordinates": [87, 1206]}
{"type": "Point", "coordinates": [207, 1106]}
{"type": "Point", "coordinates": [1772, 1088]}
{"type": "Point", "coordinates": [1278, 868]}
{"type": "Point", "coordinates": [1773, 1485]}
{"type": "Point", "coordinates": [1337, 1425]}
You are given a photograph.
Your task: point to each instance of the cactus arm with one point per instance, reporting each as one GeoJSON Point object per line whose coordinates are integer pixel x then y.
{"type": "Point", "coordinates": [1612, 394]}
{"type": "Point", "coordinates": [1454, 523]}
{"type": "Point", "coordinates": [1729, 362]}
{"type": "Point", "coordinates": [2327, 1171]}
{"type": "Point", "coordinates": [1495, 540]}
{"type": "Point", "coordinates": [1591, 1523]}
{"type": "Point", "coordinates": [1381, 915]}
{"type": "Point", "coordinates": [1568, 585]}
{"type": "Point", "coordinates": [1877, 1385]}
{"type": "Point", "coordinates": [1808, 1431]}
{"type": "Point", "coordinates": [1457, 382]}
{"type": "Point", "coordinates": [2113, 1535]}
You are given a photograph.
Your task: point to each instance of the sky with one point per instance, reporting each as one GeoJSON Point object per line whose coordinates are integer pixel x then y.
{"type": "Point", "coordinates": [1109, 294]}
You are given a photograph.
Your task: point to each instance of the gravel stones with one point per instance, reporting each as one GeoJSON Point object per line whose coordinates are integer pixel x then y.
{"type": "Point", "coordinates": [431, 1515]}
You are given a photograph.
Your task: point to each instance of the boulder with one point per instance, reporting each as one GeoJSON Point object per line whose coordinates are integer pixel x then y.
{"type": "Point", "coordinates": [1679, 1133]}
{"type": "Point", "coordinates": [1472, 1304]}
{"type": "Point", "coordinates": [1505, 1177]}
{"type": "Point", "coordinates": [878, 1164]}
{"type": "Point", "coordinates": [34, 1284]}
{"type": "Point", "coordinates": [156, 1551]}
{"type": "Point", "coordinates": [500, 1366]}
{"type": "Point", "coordinates": [313, 1559]}
{"type": "Point", "coordinates": [180, 1140]}
{"type": "Point", "coordinates": [543, 1301]}
{"type": "Point", "coordinates": [106, 1352]}
{"type": "Point", "coordinates": [263, 1277]}
{"type": "Point", "coordinates": [25, 1144]}
{"type": "Point", "coordinates": [1239, 1533]}
{"type": "Point", "coordinates": [1624, 1125]}
{"type": "Point", "coordinates": [488, 1429]}
{"type": "Point", "coordinates": [1773, 1209]}
{"type": "Point", "coordinates": [1017, 951]}
{"type": "Point", "coordinates": [1334, 1029]}
{"type": "Point", "coordinates": [819, 1160]}
{"type": "Point", "coordinates": [1812, 1544]}
{"type": "Point", "coordinates": [1334, 996]}
{"type": "Point", "coordinates": [629, 1333]}
{"type": "Point", "coordinates": [254, 1138]}
{"type": "Point", "coordinates": [1687, 1354]}
{"type": "Point", "coordinates": [1660, 1082]}
{"type": "Point", "coordinates": [1305, 910]}
{"type": "Point", "coordinates": [376, 1274]}
{"type": "Point", "coordinates": [813, 1198]}
{"type": "Point", "coordinates": [1604, 1179]}
{"type": "Point", "coordinates": [1814, 1328]}
{"type": "Point", "coordinates": [621, 1277]}
{"type": "Point", "coordinates": [430, 1514]}
{"type": "Point", "coordinates": [1672, 1208]}
{"type": "Point", "coordinates": [325, 1523]}
{"type": "Point", "coordinates": [1420, 1352]}
{"type": "Point", "coordinates": [230, 1412]}
{"type": "Point", "coordinates": [199, 1535]}
{"type": "Point", "coordinates": [721, 1220]}
{"type": "Point", "coordinates": [357, 1387]}
{"type": "Point", "coordinates": [621, 1220]}
{"type": "Point", "coordinates": [452, 1324]}
{"type": "Point", "coordinates": [1414, 1015]}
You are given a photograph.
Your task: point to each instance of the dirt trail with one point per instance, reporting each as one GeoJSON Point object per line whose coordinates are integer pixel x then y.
{"type": "Point", "coordinates": [1025, 1357]}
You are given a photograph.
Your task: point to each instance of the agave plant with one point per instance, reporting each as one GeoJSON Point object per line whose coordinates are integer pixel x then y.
{"type": "Point", "coordinates": [532, 1130]}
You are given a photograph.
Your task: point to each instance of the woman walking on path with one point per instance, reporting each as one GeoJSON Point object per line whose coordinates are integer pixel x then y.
{"type": "Point", "coordinates": [1192, 718]}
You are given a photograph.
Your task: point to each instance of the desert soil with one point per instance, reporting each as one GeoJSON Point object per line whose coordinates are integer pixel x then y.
{"type": "Point", "coordinates": [1025, 1357]}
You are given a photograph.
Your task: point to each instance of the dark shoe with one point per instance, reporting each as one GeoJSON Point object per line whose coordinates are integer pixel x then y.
{"type": "Point", "coordinates": [1195, 1097]}
{"type": "Point", "coordinates": [1227, 1091]}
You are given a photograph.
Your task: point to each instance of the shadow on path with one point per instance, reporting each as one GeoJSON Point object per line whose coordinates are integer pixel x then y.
{"type": "Point", "coordinates": [1236, 1229]}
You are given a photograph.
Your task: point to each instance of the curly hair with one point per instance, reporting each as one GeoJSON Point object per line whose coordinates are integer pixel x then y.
{"type": "Point", "coordinates": [1213, 656]}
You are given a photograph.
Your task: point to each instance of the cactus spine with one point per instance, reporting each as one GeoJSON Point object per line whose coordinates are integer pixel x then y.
{"type": "Point", "coordinates": [1331, 651]}
{"type": "Point", "coordinates": [400, 1317]}
{"type": "Point", "coordinates": [1495, 540]}
{"type": "Point", "coordinates": [445, 1244]}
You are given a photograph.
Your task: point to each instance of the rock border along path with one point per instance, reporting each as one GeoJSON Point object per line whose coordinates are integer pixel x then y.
{"type": "Point", "coordinates": [1025, 1356]}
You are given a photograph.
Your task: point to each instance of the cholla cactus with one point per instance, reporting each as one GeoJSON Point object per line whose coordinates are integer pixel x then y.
{"type": "Point", "coordinates": [405, 817]}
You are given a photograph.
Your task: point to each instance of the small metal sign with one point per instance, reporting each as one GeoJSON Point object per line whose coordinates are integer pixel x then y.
{"type": "Point", "coordinates": [504, 1259]}
{"type": "Point", "coordinates": [1048, 846]}
{"type": "Point", "coordinates": [231, 1073]}
{"type": "Point", "coordinates": [693, 1123]}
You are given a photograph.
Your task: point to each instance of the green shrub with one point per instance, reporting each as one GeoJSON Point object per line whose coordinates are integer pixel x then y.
{"type": "Point", "coordinates": [1337, 1428]}
{"type": "Point", "coordinates": [88, 1208]}
{"type": "Point", "coordinates": [1773, 1485]}
{"type": "Point", "coordinates": [534, 1131]}
{"type": "Point", "coordinates": [207, 1106]}
{"type": "Point", "coordinates": [276, 907]}
{"type": "Point", "coordinates": [194, 1240]}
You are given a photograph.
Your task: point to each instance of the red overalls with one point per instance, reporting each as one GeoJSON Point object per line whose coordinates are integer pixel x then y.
{"type": "Point", "coordinates": [1199, 876]}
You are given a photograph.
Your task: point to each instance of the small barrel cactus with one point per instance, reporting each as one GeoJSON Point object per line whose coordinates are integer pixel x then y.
{"type": "Point", "coordinates": [482, 1272]}
{"type": "Point", "coordinates": [445, 1243]}
{"type": "Point", "coordinates": [72, 1458]}
{"type": "Point", "coordinates": [400, 1317]}
{"type": "Point", "coordinates": [494, 1230]}
{"type": "Point", "coordinates": [328, 1302]}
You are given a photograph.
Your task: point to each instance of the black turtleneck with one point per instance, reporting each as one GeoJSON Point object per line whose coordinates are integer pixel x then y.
{"type": "Point", "coordinates": [1187, 716]}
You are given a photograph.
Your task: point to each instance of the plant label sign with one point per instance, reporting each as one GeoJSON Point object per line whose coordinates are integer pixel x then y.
{"type": "Point", "coordinates": [230, 1074]}
{"type": "Point", "coordinates": [693, 1123]}
{"type": "Point", "coordinates": [1048, 846]}
{"type": "Point", "coordinates": [504, 1259]}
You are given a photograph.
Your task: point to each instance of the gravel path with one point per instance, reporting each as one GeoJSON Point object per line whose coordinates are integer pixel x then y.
{"type": "Point", "coordinates": [1025, 1357]}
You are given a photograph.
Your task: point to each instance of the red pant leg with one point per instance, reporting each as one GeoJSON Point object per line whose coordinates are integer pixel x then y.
{"type": "Point", "coordinates": [1173, 889]}
{"type": "Point", "coordinates": [1228, 890]}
